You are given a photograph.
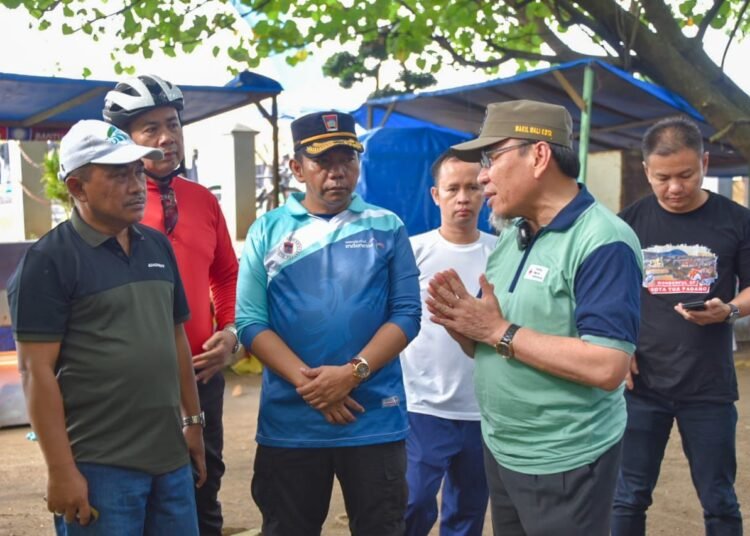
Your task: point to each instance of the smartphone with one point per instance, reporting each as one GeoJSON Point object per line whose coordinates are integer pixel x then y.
{"type": "Point", "coordinates": [699, 305]}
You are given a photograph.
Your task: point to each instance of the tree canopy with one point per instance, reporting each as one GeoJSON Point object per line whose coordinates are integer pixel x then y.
{"type": "Point", "coordinates": [660, 39]}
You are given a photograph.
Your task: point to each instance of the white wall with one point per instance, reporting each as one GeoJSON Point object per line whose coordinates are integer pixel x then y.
{"type": "Point", "coordinates": [604, 178]}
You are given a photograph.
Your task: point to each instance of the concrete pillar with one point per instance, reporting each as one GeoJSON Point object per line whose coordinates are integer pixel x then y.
{"type": "Point", "coordinates": [37, 214]}
{"type": "Point", "coordinates": [724, 187]}
{"type": "Point", "coordinates": [243, 196]}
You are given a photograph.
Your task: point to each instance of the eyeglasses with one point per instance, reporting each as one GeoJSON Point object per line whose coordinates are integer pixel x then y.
{"type": "Point", "coordinates": [169, 207]}
{"type": "Point", "coordinates": [486, 160]}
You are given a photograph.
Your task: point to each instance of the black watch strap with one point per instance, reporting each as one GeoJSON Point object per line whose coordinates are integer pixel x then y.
{"type": "Point", "coordinates": [504, 346]}
{"type": "Point", "coordinates": [734, 313]}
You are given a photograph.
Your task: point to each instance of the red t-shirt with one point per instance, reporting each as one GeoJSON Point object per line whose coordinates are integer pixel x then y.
{"type": "Point", "coordinates": [205, 256]}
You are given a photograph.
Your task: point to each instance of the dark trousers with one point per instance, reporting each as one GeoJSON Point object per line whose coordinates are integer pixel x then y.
{"type": "Point", "coordinates": [448, 452]}
{"type": "Point", "coordinates": [708, 440]}
{"type": "Point", "coordinates": [292, 488]}
{"type": "Point", "coordinates": [207, 502]}
{"type": "Point", "coordinates": [571, 503]}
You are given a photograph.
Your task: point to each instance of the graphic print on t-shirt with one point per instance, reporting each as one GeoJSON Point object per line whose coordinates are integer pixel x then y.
{"type": "Point", "coordinates": [680, 269]}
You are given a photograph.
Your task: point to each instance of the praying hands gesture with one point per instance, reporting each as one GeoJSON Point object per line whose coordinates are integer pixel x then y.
{"type": "Point", "coordinates": [466, 318]}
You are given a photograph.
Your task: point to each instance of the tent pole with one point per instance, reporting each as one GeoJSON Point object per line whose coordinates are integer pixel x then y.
{"type": "Point", "coordinates": [583, 140]}
{"type": "Point", "coordinates": [275, 131]}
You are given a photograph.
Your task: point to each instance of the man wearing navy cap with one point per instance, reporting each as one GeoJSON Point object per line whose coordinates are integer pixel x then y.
{"type": "Point", "coordinates": [327, 297]}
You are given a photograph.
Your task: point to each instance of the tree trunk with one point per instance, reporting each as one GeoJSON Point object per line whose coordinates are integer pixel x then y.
{"type": "Point", "coordinates": [680, 64]}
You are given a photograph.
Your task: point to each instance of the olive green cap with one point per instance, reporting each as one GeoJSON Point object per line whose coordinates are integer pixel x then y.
{"type": "Point", "coordinates": [523, 119]}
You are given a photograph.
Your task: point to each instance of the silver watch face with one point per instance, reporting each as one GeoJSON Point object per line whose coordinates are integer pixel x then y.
{"type": "Point", "coordinates": [362, 370]}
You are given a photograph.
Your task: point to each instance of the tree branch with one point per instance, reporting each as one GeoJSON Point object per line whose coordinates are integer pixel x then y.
{"type": "Point", "coordinates": [734, 30]}
{"type": "Point", "coordinates": [509, 54]}
{"type": "Point", "coordinates": [553, 41]}
{"type": "Point", "coordinates": [577, 17]}
{"type": "Point", "coordinates": [707, 18]}
{"type": "Point", "coordinates": [661, 17]}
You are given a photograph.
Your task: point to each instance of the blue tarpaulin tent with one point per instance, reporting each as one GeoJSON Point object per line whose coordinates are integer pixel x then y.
{"type": "Point", "coordinates": [38, 104]}
{"type": "Point", "coordinates": [623, 108]}
{"type": "Point", "coordinates": [396, 173]}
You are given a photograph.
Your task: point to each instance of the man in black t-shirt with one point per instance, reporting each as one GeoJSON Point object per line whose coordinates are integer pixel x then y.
{"type": "Point", "coordinates": [696, 249]}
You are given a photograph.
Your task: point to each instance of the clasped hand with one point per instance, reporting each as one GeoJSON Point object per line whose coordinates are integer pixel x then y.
{"type": "Point", "coordinates": [328, 392]}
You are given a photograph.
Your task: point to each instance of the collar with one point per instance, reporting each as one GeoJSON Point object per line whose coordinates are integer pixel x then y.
{"type": "Point", "coordinates": [154, 185]}
{"type": "Point", "coordinates": [93, 237]}
{"type": "Point", "coordinates": [570, 212]}
{"type": "Point", "coordinates": [296, 208]}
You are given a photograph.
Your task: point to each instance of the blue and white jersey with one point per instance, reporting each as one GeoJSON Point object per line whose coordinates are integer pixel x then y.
{"type": "Point", "coordinates": [325, 286]}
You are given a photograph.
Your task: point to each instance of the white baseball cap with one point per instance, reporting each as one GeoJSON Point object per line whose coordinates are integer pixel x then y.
{"type": "Point", "coordinates": [95, 142]}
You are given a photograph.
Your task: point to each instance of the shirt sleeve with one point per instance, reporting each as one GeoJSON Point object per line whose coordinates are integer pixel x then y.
{"type": "Point", "coordinates": [222, 273]}
{"type": "Point", "coordinates": [608, 297]}
{"type": "Point", "coordinates": [180, 309]}
{"type": "Point", "coordinates": [39, 298]}
{"type": "Point", "coordinates": [404, 303]}
{"type": "Point", "coordinates": [251, 312]}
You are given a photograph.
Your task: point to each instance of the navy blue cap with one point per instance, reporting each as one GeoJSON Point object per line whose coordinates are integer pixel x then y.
{"type": "Point", "coordinates": [318, 132]}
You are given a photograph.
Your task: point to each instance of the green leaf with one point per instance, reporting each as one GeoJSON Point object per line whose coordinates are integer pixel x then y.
{"type": "Point", "coordinates": [687, 7]}
{"type": "Point", "coordinates": [86, 72]}
{"type": "Point", "coordinates": [719, 21]}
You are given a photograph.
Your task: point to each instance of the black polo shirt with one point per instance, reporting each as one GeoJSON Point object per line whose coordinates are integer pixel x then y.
{"type": "Point", "coordinates": [114, 315]}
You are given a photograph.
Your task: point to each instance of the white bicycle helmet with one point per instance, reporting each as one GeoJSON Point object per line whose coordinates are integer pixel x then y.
{"type": "Point", "coordinates": [134, 96]}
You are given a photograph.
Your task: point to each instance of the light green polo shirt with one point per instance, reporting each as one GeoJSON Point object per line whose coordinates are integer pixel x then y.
{"type": "Point", "coordinates": [580, 277]}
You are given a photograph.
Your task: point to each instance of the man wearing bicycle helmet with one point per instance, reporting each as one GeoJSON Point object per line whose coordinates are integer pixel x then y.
{"type": "Point", "coordinates": [148, 108]}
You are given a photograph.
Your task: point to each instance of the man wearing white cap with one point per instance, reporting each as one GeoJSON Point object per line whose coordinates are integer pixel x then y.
{"type": "Point", "coordinates": [97, 312]}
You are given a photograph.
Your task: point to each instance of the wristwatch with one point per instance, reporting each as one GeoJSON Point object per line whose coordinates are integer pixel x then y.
{"type": "Point", "coordinates": [194, 419]}
{"type": "Point", "coordinates": [233, 330]}
{"type": "Point", "coordinates": [361, 368]}
{"type": "Point", "coordinates": [734, 313]}
{"type": "Point", "coordinates": [504, 346]}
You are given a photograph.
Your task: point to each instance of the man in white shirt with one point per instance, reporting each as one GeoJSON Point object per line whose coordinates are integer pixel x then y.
{"type": "Point", "coordinates": [444, 441]}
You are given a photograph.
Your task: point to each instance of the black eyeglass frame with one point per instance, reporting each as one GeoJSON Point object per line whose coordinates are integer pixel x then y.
{"type": "Point", "coordinates": [485, 159]}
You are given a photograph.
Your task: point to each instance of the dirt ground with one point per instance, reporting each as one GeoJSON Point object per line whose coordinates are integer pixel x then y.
{"type": "Point", "coordinates": [675, 511]}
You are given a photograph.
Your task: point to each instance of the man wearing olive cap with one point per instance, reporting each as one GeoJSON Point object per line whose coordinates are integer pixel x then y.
{"type": "Point", "coordinates": [98, 307]}
{"type": "Point", "coordinates": [553, 330]}
{"type": "Point", "coordinates": [327, 297]}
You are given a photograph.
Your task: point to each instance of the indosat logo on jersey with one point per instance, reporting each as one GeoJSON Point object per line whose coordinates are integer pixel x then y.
{"type": "Point", "coordinates": [363, 244]}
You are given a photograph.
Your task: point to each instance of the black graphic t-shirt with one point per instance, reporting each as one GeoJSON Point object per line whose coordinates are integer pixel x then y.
{"type": "Point", "coordinates": [698, 255]}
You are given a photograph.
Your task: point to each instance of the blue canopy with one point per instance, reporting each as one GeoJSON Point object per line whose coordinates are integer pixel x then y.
{"type": "Point", "coordinates": [623, 108]}
{"type": "Point", "coordinates": [36, 102]}
{"type": "Point", "coordinates": [396, 174]}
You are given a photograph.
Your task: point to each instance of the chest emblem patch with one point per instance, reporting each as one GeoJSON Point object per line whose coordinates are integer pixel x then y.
{"type": "Point", "coordinates": [536, 273]}
{"type": "Point", "coordinates": [290, 247]}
